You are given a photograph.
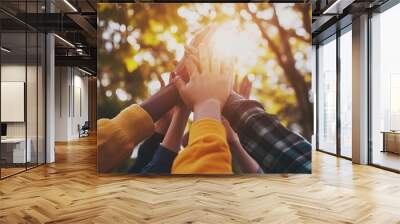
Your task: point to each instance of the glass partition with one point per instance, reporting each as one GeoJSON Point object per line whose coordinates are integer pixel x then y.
{"type": "Point", "coordinates": [14, 145]}
{"type": "Point", "coordinates": [346, 94]}
{"type": "Point", "coordinates": [327, 96]}
{"type": "Point", "coordinates": [31, 98]}
{"type": "Point", "coordinates": [22, 88]}
{"type": "Point", "coordinates": [385, 89]}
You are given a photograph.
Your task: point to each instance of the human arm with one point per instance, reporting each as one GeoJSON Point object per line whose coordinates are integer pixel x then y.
{"type": "Point", "coordinates": [247, 164]}
{"type": "Point", "coordinates": [149, 147]}
{"type": "Point", "coordinates": [275, 148]}
{"type": "Point", "coordinates": [118, 136]}
{"type": "Point", "coordinates": [169, 148]}
{"type": "Point", "coordinates": [168, 97]}
{"type": "Point", "coordinates": [207, 151]}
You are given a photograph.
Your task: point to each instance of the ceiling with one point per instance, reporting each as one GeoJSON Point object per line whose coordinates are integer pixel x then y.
{"type": "Point", "coordinates": [332, 15]}
{"type": "Point", "coordinates": [74, 22]}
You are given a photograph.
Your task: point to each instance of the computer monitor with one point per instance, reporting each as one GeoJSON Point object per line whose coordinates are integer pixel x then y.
{"type": "Point", "coordinates": [3, 129]}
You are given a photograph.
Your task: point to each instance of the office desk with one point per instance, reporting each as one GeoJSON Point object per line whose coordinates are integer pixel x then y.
{"type": "Point", "coordinates": [391, 141]}
{"type": "Point", "coordinates": [13, 150]}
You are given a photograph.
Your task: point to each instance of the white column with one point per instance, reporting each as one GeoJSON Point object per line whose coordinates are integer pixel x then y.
{"type": "Point", "coordinates": [314, 93]}
{"type": "Point", "coordinates": [50, 100]}
{"type": "Point", "coordinates": [360, 90]}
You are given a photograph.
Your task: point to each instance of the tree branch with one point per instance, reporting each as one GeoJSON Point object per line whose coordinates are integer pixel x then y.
{"type": "Point", "coordinates": [286, 61]}
{"type": "Point", "coordinates": [293, 33]}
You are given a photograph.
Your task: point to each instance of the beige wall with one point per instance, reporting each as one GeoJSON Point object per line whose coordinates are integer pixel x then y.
{"type": "Point", "coordinates": [71, 102]}
{"type": "Point", "coordinates": [34, 124]}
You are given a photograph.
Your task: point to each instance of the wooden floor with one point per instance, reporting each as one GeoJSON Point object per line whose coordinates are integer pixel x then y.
{"type": "Point", "coordinates": [387, 159]}
{"type": "Point", "coordinates": [70, 191]}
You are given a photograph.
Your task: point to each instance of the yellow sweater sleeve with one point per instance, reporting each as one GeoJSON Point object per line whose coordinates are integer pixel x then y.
{"type": "Point", "coordinates": [207, 152]}
{"type": "Point", "coordinates": [117, 137]}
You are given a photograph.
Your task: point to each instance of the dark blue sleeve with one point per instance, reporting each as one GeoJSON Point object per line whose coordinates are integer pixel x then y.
{"type": "Point", "coordinates": [161, 163]}
{"type": "Point", "coordinates": [146, 152]}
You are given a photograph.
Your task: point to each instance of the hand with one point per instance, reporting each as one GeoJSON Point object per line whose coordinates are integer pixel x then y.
{"type": "Point", "coordinates": [173, 138]}
{"type": "Point", "coordinates": [206, 92]}
{"type": "Point", "coordinates": [161, 126]}
{"type": "Point", "coordinates": [245, 87]}
{"type": "Point", "coordinates": [201, 35]}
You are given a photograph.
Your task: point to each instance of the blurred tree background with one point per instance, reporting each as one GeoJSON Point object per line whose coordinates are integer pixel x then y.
{"type": "Point", "coordinates": [139, 41]}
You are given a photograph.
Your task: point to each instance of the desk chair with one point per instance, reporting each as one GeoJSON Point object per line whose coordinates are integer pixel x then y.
{"type": "Point", "coordinates": [84, 130]}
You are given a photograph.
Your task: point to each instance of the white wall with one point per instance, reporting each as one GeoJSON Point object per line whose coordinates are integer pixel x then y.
{"type": "Point", "coordinates": [33, 127]}
{"type": "Point", "coordinates": [71, 94]}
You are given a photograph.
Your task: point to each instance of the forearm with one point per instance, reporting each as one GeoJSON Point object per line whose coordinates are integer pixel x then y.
{"type": "Point", "coordinates": [207, 151]}
{"type": "Point", "coordinates": [209, 109]}
{"type": "Point", "coordinates": [248, 164]}
{"type": "Point", "coordinates": [117, 137]}
{"type": "Point", "coordinates": [273, 146]}
{"type": "Point", "coordinates": [173, 138]}
{"type": "Point", "coordinates": [161, 102]}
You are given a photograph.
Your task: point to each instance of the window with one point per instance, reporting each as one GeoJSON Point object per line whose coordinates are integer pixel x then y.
{"type": "Point", "coordinates": [327, 96]}
{"type": "Point", "coordinates": [385, 89]}
{"type": "Point", "coordinates": [22, 77]}
{"type": "Point", "coordinates": [346, 94]}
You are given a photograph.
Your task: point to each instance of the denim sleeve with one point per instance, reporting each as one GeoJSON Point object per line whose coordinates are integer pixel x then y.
{"type": "Point", "coordinates": [161, 162]}
{"type": "Point", "coordinates": [146, 152]}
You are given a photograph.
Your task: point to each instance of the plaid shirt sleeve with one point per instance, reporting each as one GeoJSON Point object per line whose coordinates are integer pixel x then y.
{"type": "Point", "coordinates": [274, 147]}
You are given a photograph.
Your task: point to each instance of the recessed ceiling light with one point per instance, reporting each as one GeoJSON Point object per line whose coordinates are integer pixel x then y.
{"type": "Point", "coordinates": [337, 7]}
{"type": "Point", "coordinates": [5, 50]}
{"type": "Point", "coordinates": [84, 71]}
{"type": "Point", "coordinates": [65, 41]}
{"type": "Point", "coordinates": [70, 5]}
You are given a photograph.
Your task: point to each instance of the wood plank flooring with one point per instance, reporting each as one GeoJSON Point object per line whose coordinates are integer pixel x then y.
{"type": "Point", "coordinates": [70, 191]}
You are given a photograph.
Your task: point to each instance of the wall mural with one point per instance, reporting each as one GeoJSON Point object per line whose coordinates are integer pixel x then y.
{"type": "Point", "coordinates": [204, 88]}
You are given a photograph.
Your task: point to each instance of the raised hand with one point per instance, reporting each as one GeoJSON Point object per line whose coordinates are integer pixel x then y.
{"type": "Point", "coordinates": [174, 135]}
{"type": "Point", "coordinates": [202, 35]}
{"type": "Point", "coordinates": [161, 126]}
{"type": "Point", "coordinates": [209, 88]}
{"type": "Point", "coordinates": [245, 87]}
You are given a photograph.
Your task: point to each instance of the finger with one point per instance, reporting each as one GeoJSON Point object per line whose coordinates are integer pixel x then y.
{"type": "Point", "coordinates": [199, 36]}
{"type": "Point", "coordinates": [248, 89]}
{"type": "Point", "coordinates": [215, 64]}
{"type": "Point", "coordinates": [230, 81]}
{"type": "Point", "coordinates": [179, 68]}
{"type": "Point", "coordinates": [236, 84]}
{"type": "Point", "coordinates": [171, 77]}
{"type": "Point", "coordinates": [204, 62]}
{"type": "Point", "coordinates": [180, 84]}
{"type": "Point", "coordinates": [243, 84]}
{"type": "Point", "coordinates": [191, 68]}
{"type": "Point", "coordinates": [191, 50]}
{"type": "Point", "coordinates": [227, 71]}
{"type": "Point", "coordinates": [208, 38]}
{"type": "Point", "coordinates": [195, 60]}
{"type": "Point", "coordinates": [227, 66]}
{"type": "Point", "coordinates": [161, 81]}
